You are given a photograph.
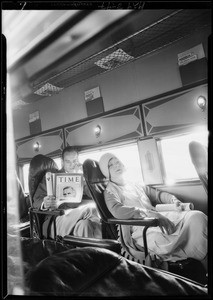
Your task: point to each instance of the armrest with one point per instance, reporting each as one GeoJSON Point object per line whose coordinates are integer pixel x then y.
{"type": "Point", "coordinates": [139, 222]}
{"type": "Point", "coordinates": [21, 225]}
{"type": "Point", "coordinates": [146, 222]}
{"type": "Point", "coordinates": [76, 241]}
{"type": "Point", "coordinates": [34, 212]}
{"type": "Point", "coordinates": [56, 212]}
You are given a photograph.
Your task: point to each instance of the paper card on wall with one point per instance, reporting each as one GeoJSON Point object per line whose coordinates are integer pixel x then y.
{"type": "Point", "coordinates": [34, 116]}
{"type": "Point", "coordinates": [35, 123]}
{"type": "Point", "coordinates": [150, 164]}
{"type": "Point", "coordinates": [190, 55]}
{"type": "Point", "coordinates": [92, 94]}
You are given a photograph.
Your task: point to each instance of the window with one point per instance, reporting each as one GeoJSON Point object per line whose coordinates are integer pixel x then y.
{"type": "Point", "coordinates": [25, 170]}
{"type": "Point", "coordinates": [176, 158]}
{"type": "Point", "coordinates": [128, 154]}
{"type": "Point", "coordinates": [58, 162]}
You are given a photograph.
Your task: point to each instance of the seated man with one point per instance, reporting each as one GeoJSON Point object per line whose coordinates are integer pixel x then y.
{"type": "Point", "coordinates": [80, 221]}
{"type": "Point", "coordinates": [71, 164]}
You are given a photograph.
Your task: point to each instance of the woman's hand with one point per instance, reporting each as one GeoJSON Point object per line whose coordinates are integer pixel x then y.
{"type": "Point", "coordinates": [50, 202]}
{"type": "Point", "coordinates": [165, 224]}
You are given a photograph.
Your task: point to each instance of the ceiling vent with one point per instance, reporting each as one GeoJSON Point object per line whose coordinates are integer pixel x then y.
{"type": "Point", "coordinates": [48, 90]}
{"type": "Point", "coordinates": [114, 60]}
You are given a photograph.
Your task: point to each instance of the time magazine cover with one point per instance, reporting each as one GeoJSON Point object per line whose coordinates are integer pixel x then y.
{"type": "Point", "coordinates": [67, 187]}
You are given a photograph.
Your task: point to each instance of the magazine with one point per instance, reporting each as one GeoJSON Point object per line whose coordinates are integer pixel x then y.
{"type": "Point", "coordinates": [66, 187]}
{"type": "Point", "coordinates": [168, 207]}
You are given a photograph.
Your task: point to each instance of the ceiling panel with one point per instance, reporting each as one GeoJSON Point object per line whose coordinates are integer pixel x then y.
{"type": "Point", "coordinates": [157, 35]}
{"type": "Point", "coordinates": [87, 44]}
{"type": "Point", "coordinates": [24, 29]}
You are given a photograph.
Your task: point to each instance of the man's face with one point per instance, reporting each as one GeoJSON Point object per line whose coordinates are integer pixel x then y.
{"type": "Point", "coordinates": [70, 162]}
{"type": "Point", "coordinates": [69, 192]}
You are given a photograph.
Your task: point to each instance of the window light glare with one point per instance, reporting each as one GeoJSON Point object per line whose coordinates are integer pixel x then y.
{"type": "Point", "coordinates": [176, 157]}
{"type": "Point", "coordinates": [169, 181]}
{"type": "Point", "coordinates": [25, 177]}
{"type": "Point", "coordinates": [128, 154]}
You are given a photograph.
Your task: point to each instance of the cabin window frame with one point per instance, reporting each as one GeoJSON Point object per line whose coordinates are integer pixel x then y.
{"type": "Point", "coordinates": [164, 166]}
{"type": "Point", "coordinates": [102, 149]}
{"type": "Point", "coordinates": [112, 148]}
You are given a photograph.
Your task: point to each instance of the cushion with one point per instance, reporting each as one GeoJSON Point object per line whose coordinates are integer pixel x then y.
{"type": "Point", "coordinates": [39, 165]}
{"type": "Point", "coordinates": [98, 272]}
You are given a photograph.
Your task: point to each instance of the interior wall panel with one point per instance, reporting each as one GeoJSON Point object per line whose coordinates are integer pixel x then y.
{"type": "Point", "coordinates": [119, 126]}
{"type": "Point", "coordinates": [144, 78]}
{"type": "Point", "coordinates": [175, 112]}
{"type": "Point", "coordinates": [52, 143]}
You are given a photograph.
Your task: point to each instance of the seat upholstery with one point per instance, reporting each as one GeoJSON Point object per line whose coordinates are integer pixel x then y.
{"type": "Point", "coordinates": [39, 165]}
{"type": "Point", "coordinates": [97, 183]}
{"type": "Point", "coordinates": [95, 272]}
{"type": "Point", "coordinates": [199, 158]}
{"type": "Point", "coordinates": [30, 221]}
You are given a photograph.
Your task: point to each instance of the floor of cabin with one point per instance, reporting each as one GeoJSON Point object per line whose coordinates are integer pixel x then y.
{"type": "Point", "coordinates": [192, 269]}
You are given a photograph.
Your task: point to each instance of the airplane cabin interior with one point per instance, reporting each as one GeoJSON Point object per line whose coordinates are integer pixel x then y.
{"type": "Point", "coordinates": [120, 83]}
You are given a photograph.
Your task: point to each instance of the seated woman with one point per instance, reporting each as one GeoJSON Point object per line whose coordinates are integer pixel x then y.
{"type": "Point", "coordinates": [180, 235]}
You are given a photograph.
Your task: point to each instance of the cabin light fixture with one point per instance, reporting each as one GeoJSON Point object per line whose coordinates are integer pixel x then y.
{"type": "Point", "coordinates": [36, 146]}
{"type": "Point", "coordinates": [201, 102]}
{"type": "Point", "coordinates": [97, 131]}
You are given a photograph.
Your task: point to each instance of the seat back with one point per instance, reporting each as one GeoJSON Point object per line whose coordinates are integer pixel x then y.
{"type": "Point", "coordinates": [97, 183]}
{"type": "Point", "coordinates": [39, 165]}
{"type": "Point", "coordinates": [199, 158]}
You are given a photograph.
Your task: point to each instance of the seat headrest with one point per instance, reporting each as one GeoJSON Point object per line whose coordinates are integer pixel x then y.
{"type": "Point", "coordinates": [198, 153]}
{"type": "Point", "coordinates": [92, 172]}
{"type": "Point", "coordinates": [39, 165]}
{"type": "Point", "coordinates": [199, 157]}
{"type": "Point", "coordinates": [97, 183]}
